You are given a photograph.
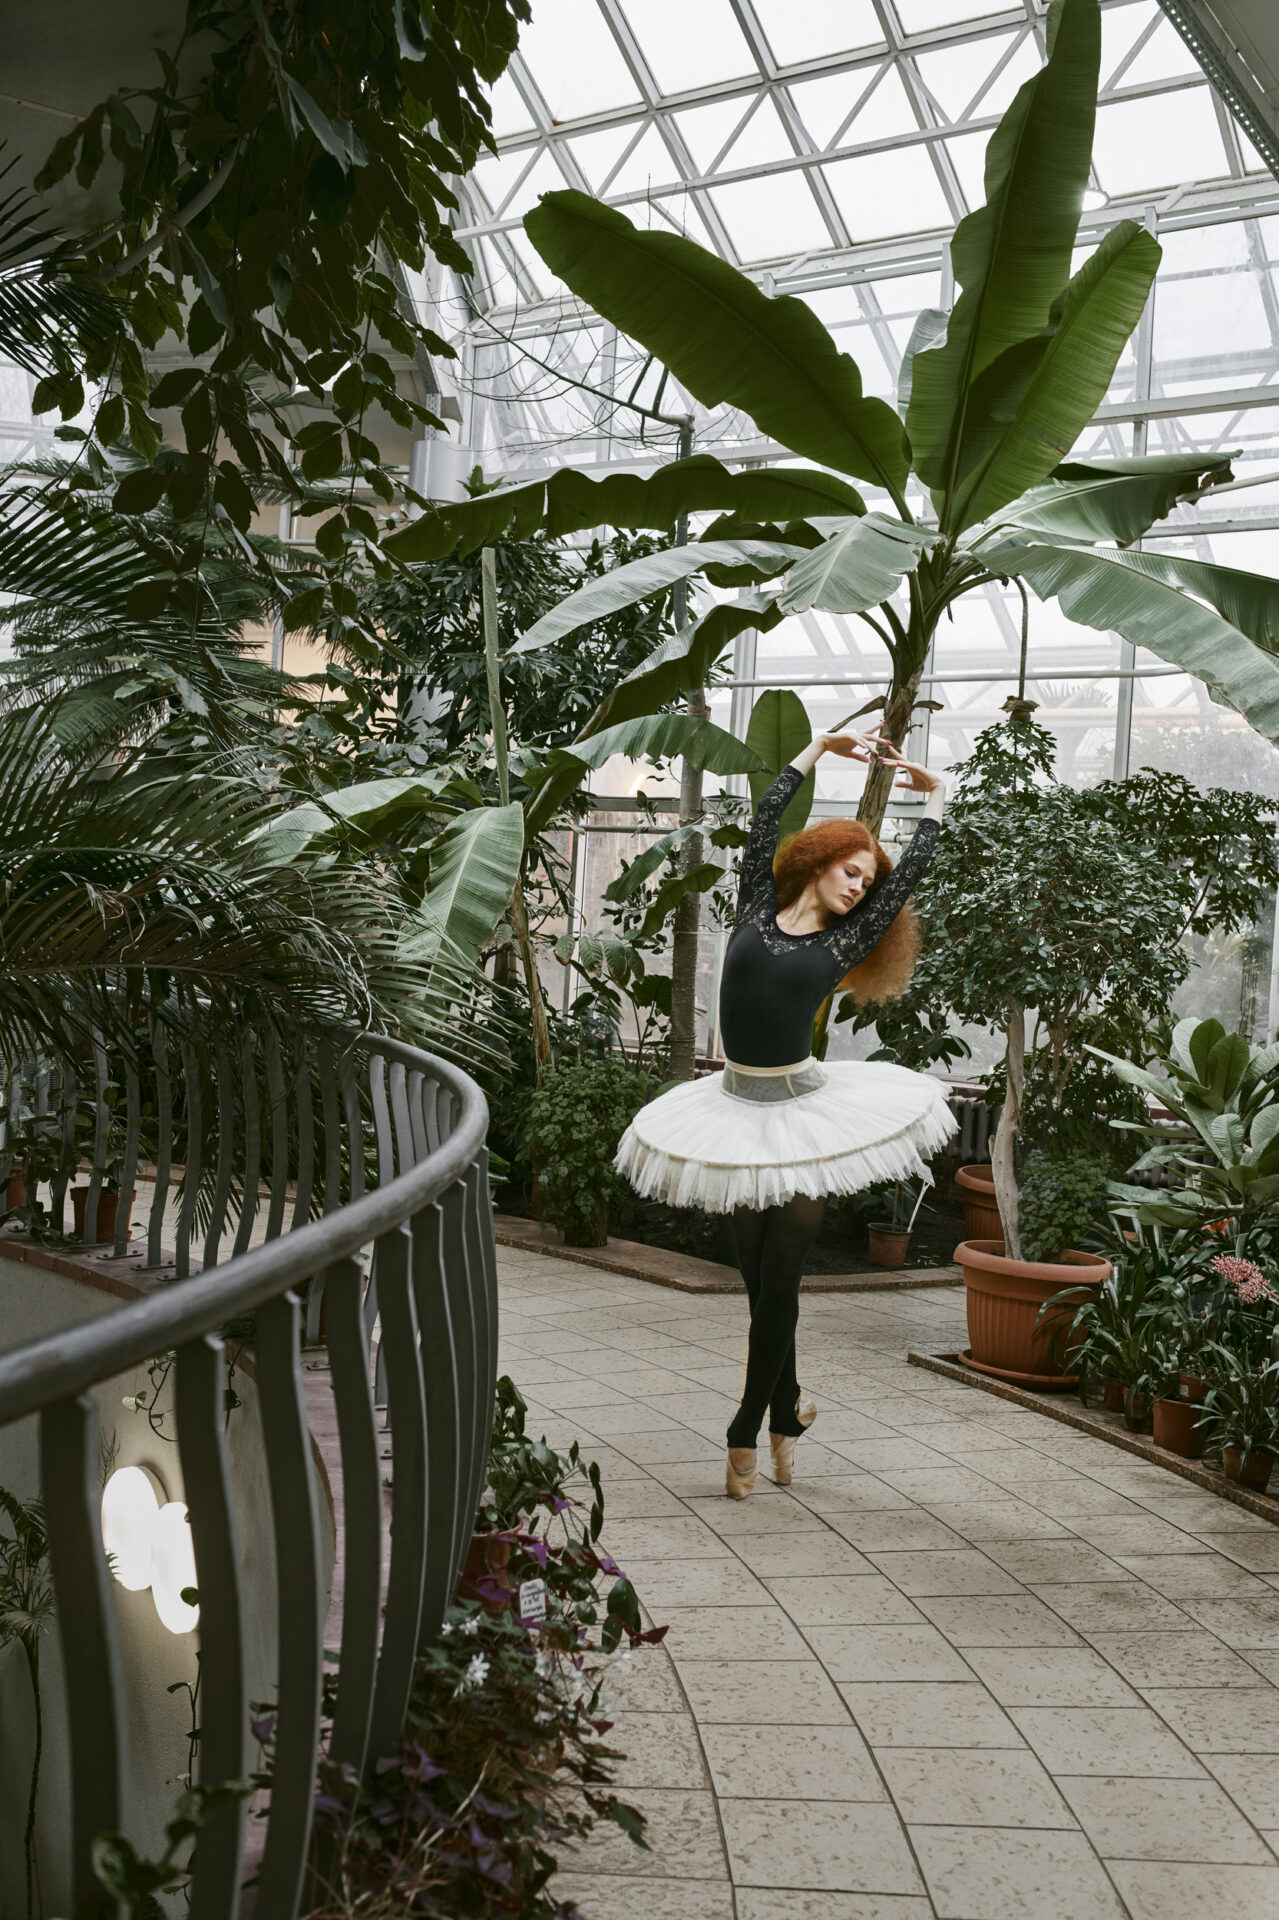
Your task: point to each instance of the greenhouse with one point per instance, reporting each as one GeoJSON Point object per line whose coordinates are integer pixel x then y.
{"type": "Point", "coordinates": [639, 960]}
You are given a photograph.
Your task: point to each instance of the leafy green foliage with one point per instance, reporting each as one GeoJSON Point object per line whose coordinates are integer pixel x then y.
{"type": "Point", "coordinates": [1242, 1407]}
{"type": "Point", "coordinates": [576, 1118]}
{"type": "Point", "coordinates": [777, 731]}
{"type": "Point", "coordinates": [1063, 1198]}
{"type": "Point", "coordinates": [26, 1614]}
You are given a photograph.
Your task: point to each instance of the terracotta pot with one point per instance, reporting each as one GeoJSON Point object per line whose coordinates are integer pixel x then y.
{"type": "Point", "coordinates": [1176, 1428]}
{"type": "Point", "coordinates": [977, 1191]}
{"type": "Point", "coordinates": [487, 1558]}
{"type": "Point", "coordinates": [1253, 1472]}
{"type": "Point", "coordinates": [108, 1204]}
{"type": "Point", "coordinates": [1138, 1412]}
{"type": "Point", "coordinates": [15, 1194]}
{"type": "Point", "coordinates": [885, 1246]}
{"type": "Point", "coordinates": [1194, 1388]}
{"type": "Point", "coordinates": [1113, 1396]}
{"type": "Point", "coordinates": [1006, 1336]}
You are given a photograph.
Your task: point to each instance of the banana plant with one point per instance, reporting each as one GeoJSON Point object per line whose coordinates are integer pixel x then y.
{"type": "Point", "coordinates": [1222, 1092]}
{"type": "Point", "coordinates": [991, 399]}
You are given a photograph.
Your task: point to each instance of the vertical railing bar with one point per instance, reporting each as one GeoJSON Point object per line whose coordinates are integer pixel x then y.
{"type": "Point", "coordinates": [163, 1143]}
{"type": "Point", "coordinates": [431, 1109]}
{"type": "Point", "coordinates": [67, 1095]}
{"type": "Point", "coordinates": [191, 1176]}
{"type": "Point", "coordinates": [199, 1384]}
{"type": "Point", "coordinates": [361, 1513]}
{"type": "Point", "coordinates": [306, 1135]}
{"type": "Point", "coordinates": [462, 1321]}
{"type": "Point", "coordinates": [439, 1374]}
{"type": "Point", "coordinates": [415, 1093]}
{"type": "Point", "coordinates": [381, 1120]}
{"type": "Point", "coordinates": [87, 1633]}
{"type": "Point", "coordinates": [129, 1160]}
{"type": "Point", "coordinates": [226, 1148]}
{"type": "Point", "coordinates": [347, 1068]}
{"type": "Point", "coordinates": [101, 1118]}
{"type": "Point", "coordinates": [484, 1317]}
{"type": "Point", "coordinates": [300, 1616]}
{"type": "Point", "coordinates": [332, 1126]}
{"type": "Point", "coordinates": [398, 1090]}
{"type": "Point", "coordinates": [252, 1143]}
{"type": "Point", "coordinates": [408, 1494]}
{"type": "Point", "coordinates": [278, 1093]}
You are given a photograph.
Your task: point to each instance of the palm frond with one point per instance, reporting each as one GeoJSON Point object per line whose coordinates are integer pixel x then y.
{"type": "Point", "coordinates": [44, 311]}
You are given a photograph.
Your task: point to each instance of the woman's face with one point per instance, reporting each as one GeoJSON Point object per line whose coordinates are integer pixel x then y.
{"type": "Point", "coordinates": [844, 884]}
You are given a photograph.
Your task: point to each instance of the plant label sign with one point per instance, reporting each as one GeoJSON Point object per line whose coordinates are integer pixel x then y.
{"type": "Point", "coordinates": [533, 1600]}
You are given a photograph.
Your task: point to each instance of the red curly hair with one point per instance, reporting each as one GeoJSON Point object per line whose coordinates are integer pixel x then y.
{"type": "Point", "coordinates": [885, 972]}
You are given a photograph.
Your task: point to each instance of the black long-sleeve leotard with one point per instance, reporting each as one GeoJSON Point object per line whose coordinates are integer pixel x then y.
{"type": "Point", "coordinates": [773, 981]}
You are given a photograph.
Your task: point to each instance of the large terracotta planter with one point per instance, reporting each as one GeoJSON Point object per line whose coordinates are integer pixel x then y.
{"type": "Point", "coordinates": [1006, 1336]}
{"type": "Point", "coordinates": [1177, 1428]}
{"type": "Point", "coordinates": [977, 1191]}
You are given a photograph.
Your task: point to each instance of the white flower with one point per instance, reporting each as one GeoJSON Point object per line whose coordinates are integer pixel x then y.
{"type": "Point", "coordinates": [447, 1628]}
{"type": "Point", "coordinates": [477, 1673]}
{"type": "Point", "coordinates": [470, 1627]}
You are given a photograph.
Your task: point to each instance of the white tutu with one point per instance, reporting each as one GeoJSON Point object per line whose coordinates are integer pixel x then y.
{"type": "Point", "coordinates": [700, 1145]}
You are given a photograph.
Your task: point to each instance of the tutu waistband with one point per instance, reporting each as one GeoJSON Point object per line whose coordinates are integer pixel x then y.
{"type": "Point", "coordinates": [769, 1086]}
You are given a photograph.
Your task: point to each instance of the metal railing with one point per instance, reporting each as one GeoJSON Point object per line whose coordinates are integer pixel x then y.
{"type": "Point", "coordinates": [349, 1112]}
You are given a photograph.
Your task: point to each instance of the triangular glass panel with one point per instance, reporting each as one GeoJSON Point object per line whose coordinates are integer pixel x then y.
{"type": "Point", "coordinates": [577, 64]}
{"type": "Point", "coordinates": [1144, 144]}
{"type": "Point", "coordinates": [824, 105]}
{"type": "Point", "coordinates": [707, 130]}
{"type": "Point", "coordinates": [651, 166]}
{"type": "Point", "coordinates": [813, 29]}
{"type": "Point", "coordinates": [771, 219]}
{"type": "Point", "coordinates": [886, 193]}
{"type": "Point", "coordinates": [599, 152]}
{"type": "Point", "coordinates": [689, 46]}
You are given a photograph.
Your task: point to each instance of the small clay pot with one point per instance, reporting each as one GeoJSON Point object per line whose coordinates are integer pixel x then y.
{"type": "Point", "coordinates": [1254, 1472]}
{"type": "Point", "coordinates": [108, 1206]}
{"type": "Point", "coordinates": [487, 1558]}
{"type": "Point", "coordinates": [15, 1194]}
{"type": "Point", "coordinates": [1114, 1393]}
{"type": "Point", "coordinates": [1177, 1428]}
{"type": "Point", "coordinates": [1137, 1411]}
{"type": "Point", "coordinates": [885, 1246]}
{"type": "Point", "coordinates": [1194, 1388]}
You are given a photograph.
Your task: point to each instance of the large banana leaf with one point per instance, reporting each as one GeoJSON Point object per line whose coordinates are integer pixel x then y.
{"type": "Point", "coordinates": [1116, 500]}
{"type": "Point", "coordinates": [624, 586]}
{"type": "Point", "coordinates": [722, 338]}
{"type": "Point", "coordinates": [372, 809]}
{"type": "Point", "coordinates": [475, 864]}
{"type": "Point", "coordinates": [1068, 376]}
{"type": "Point", "coordinates": [1135, 594]}
{"type": "Point", "coordinates": [684, 661]}
{"type": "Point", "coordinates": [1249, 601]}
{"type": "Point", "coordinates": [856, 568]}
{"type": "Point", "coordinates": [1012, 256]}
{"type": "Point", "coordinates": [779, 729]}
{"type": "Point", "coordinates": [658, 736]}
{"type": "Point", "coordinates": [568, 501]}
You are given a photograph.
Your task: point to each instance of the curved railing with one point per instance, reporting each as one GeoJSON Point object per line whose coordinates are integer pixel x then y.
{"type": "Point", "coordinates": [431, 1289]}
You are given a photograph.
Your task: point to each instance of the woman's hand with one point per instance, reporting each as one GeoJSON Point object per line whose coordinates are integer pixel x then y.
{"type": "Point", "coordinates": [850, 746]}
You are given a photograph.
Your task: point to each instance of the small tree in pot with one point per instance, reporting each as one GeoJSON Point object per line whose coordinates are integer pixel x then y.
{"type": "Point", "coordinates": [1044, 922]}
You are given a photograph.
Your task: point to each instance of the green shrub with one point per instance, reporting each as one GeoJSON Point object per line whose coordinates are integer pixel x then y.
{"type": "Point", "coordinates": [1062, 1196]}
{"type": "Point", "coordinates": [576, 1118]}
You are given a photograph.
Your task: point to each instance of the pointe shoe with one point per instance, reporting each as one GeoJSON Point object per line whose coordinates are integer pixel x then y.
{"type": "Point", "coordinates": [740, 1482]}
{"type": "Point", "coordinates": [782, 1445]}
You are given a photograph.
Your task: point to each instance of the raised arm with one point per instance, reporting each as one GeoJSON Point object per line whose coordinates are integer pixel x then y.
{"type": "Point", "coordinates": [755, 878]}
{"type": "Point", "coordinates": [861, 930]}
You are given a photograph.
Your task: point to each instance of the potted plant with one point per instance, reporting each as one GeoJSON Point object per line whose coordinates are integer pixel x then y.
{"type": "Point", "coordinates": [888, 1240]}
{"type": "Point", "coordinates": [976, 1185]}
{"type": "Point", "coordinates": [1241, 1417]}
{"type": "Point", "coordinates": [1176, 1420]}
{"type": "Point", "coordinates": [576, 1118]}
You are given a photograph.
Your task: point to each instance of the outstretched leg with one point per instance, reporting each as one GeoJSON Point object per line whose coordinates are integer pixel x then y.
{"type": "Point", "coordinates": [771, 1256]}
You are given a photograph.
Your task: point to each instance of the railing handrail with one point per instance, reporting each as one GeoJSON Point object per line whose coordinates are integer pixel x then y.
{"type": "Point", "coordinates": [59, 1365]}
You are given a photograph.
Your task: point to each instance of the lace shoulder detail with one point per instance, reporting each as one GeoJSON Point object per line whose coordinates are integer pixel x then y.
{"type": "Point", "coordinates": [851, 939]}
{"type": "Point", "coordinates": [755, 892]}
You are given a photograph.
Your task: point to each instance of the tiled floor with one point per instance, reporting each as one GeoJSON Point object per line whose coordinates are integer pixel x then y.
{"type": "Point", "coordinates": [972, 1665]}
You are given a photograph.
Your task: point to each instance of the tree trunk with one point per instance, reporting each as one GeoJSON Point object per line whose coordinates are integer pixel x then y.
{"type": "Point", "coordinates": [686, 936]}
{"type": "Point", "coordinates": [532, 979]}
{"type": "Point", "coordinates": [879, 781]}
{"type": "Point", "coordinates": [1002, 1161]}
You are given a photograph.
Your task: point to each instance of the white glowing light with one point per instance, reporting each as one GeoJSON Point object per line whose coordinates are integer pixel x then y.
{"type": "Point", "coordinates": [1095, 199]}
{"type": "Point", "coordinates": [173, 1568]}
{"type": "Point", "coordinates": [130, 1510]}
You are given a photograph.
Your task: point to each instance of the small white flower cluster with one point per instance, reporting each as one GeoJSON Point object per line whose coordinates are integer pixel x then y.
{"type": "Point", "coordinates": [475, 1676]}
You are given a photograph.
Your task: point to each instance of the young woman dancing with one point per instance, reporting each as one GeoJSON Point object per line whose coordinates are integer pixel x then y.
{"type": "Point", "coordinates": [769, 1138]}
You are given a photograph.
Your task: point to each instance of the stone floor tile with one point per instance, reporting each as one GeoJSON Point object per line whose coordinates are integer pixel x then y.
{"type": "Point", "coordinates": [843, 1846]}
{"type": "Point", "coordinates": [1143, 1535]}
{"type": "Point", "coordinates": [1262, 1662]}
{"type": "Point", "coordinates": [1163, 1820]}
{"type": "Point", "coordinates": [730, 1518]}
{"type": "Point", "coordinates": [647, 1445]}
{"type": "Point", "coordinates": [646, 1543]}
{"type": "Point", "coordinates": [818, 1554]}
{"type": "Point", "coordinates": [1080, 1498]}
{"type": "Point", "coordinates": [821, 1763]}
{"type": "Point", "coordinates": [1170, 1891]}
{"type": "Point", "coordinates": [662, 1750]}
{"type": "Point", "coordinates": [1054, 1562]}
{"type": "Point", "coordinates": [960, 1787]}
{"type": "Point", "coordinates": [1131, 1741]}
{"type": "Point", "coordinates": [1189, 1508]}
{"type": "Point", "coordinates": [1049, 1677]}
{"type": "Point", "coordinates": [953, 1486]}
{"type": "Point", "coordinates": [929, 1714]}
{"type": "Point", "coordinates": [1236, 1720]}
{"type": "Point", "coordinates": [1104, 1607]}
{"type": "Point", "coordinates": [612, 1893]}
{"type": "Point", "coordinates": [1193, 1576]}
{"type": "Point", "coordinates": [1259, 1552]}
{"type": "Point", "coordinates": [1193, 1659]}
{"type": "Point", "coordinates": [980, 1521]}
{"type": "Point", "coordinates": [721, 1633]}
{"type": "Point", "coordinates": [1250, 1623]}
{"type": "Point", "coordinates": [666, 1585]}
{"type": "Point", "coordinates": [683, 1838]}
{"type": "Point", "coordinates": [845, 1492]}
{"type": "Point", "coordinates": [648, 1685]}
{"type": "Point", "coordinates": [997, 1620]}
{"type": "Point", "coordinates": [892, 1452]}
{"type": "Point", "coordinates": [761, 1693]}
{"type": "Point", "coordinates": [573, 1394]}
{"type": "Point", "coordinates": [886, 1653]}
{"type": "Point", "coordinates": [955, 1570]}
{"type": "Point", "coordinates": [641, 1499]}
{"type": "Point", "coordinates": [759, 1903]}
{"type": "Point", "coordinates": [978, 1873]}
{"type": "Point", "coordinates": [855, 1600]}
{"type": "Point", "coordinates": [908, 1530]}
{"type": "Point", "coordinates": [1251, 1780]}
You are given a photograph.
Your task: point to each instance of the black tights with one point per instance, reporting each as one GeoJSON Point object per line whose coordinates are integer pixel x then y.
{"type": "Point", "coordinates": [771, 1247]}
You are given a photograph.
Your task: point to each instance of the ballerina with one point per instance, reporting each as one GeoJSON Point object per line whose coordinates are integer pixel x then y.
{"type": "Point", "coordinates": [777, 1132]}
